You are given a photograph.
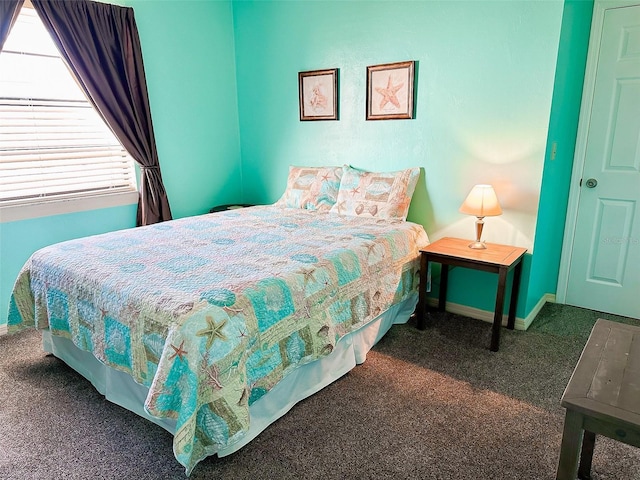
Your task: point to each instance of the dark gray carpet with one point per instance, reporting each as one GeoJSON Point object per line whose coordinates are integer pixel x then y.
{"type": "Point", "coordinates": [434, 404]}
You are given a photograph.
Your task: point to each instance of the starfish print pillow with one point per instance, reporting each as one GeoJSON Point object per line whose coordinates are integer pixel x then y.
{"type": "Point", "coordinates": [311, 188]}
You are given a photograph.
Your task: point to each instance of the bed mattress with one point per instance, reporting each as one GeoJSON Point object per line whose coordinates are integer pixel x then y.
{"type": "Point", "coordinates": [210, 313]}
{"type": "Point", "coordinates": [351, 350]}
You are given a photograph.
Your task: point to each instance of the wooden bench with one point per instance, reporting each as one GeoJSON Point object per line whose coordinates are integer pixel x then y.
{"type": "Point", "coordinates": [602, 396]}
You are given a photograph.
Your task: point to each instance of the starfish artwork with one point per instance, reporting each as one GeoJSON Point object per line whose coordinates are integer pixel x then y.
{"type": "Point", "coordinates": [389, 94]}
{"type": "Point", "coordinates": [213, 331]}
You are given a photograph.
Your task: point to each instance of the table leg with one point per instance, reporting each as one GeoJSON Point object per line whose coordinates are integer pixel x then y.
{"type": "Point", "coordinates": [515, 289]}
{"type": "Point", "coordinates": [586, 455]}
{"type": "Point", "coordinates": [570, 447]}
{"type": "Point", "coordinates": [422, 293]}
{"type": "Point", "coordinates": [497, 315]}
{"type": "Point", "coordinates": [444, 281]}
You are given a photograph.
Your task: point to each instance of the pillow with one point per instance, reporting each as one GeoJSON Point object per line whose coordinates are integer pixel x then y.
{"type": "Point", "coordinates": [311, 188]}
{"type": "Point", "coordinates": [385, 195]}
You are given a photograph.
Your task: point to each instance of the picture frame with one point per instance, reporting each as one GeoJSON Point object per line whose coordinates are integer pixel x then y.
{"type": "Point", "coordinates": [390, 91]}
{"type": "Point", "coordinates": [318, 94]}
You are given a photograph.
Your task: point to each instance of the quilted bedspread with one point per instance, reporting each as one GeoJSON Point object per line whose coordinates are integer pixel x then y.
{"type": "Point", "coordinates": [210, 312]}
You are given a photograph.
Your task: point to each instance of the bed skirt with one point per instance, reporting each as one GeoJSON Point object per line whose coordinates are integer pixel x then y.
{"type": "Point", "coordinates": [120, 388]}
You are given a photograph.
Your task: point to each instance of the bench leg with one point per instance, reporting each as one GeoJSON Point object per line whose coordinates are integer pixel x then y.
{"type": "Point", "coordinates": [586, 456]}
{"type": "Point", "coordinates": [570, 447]}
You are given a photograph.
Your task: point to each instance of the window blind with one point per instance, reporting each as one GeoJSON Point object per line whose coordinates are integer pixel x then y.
{"type": "Point", "coordinates": [53, 143]}
{"type": "Point", "coordinates": [50, 147]}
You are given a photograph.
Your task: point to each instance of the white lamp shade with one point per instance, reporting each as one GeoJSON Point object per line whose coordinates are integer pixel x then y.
{"type": "Point", "coordinates": [481, 202]}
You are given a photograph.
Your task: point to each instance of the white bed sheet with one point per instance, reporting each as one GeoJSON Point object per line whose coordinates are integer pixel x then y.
{"type": "Point", "coordinates": [352, 349]}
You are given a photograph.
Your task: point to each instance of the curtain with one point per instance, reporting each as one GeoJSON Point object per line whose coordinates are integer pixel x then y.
{"type": "Point", "coordinates": [100, 43]}
{"type": "Point", "coordinates": [9, 10]}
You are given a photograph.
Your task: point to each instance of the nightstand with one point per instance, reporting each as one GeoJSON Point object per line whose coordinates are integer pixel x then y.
{"type": "Point", "coordinates": [231, 206]}
{"type": "Point", "coordinates": [495, 258]}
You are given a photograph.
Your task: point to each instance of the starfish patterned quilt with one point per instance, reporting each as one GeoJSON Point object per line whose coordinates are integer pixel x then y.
{"type": "Point", "coordinates": [210, 312]}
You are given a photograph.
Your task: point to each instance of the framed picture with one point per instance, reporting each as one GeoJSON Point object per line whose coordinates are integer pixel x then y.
{"type": "Point", "coordinates": [390, 91]}
{"type": "Point", "coordinates": [318, 92]}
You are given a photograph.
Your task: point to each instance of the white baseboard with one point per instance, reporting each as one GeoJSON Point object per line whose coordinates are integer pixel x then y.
{"type": "Point", "coordinates": [3, 330]}
{"type": "Point", "coordinates": [486, 316]}
{"type": "Point", "coordinates": [547, 297]}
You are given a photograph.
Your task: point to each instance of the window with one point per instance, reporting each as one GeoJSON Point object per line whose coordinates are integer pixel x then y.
{"type": "Point", "coordinates": [53, 144]}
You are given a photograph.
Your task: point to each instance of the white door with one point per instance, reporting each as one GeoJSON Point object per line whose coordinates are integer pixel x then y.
{"type": "Point", "coordinates": [604, 267]}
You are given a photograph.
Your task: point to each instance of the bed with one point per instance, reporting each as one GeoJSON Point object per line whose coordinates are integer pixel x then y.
{"type": "Point", "coordinates": [214, 326]}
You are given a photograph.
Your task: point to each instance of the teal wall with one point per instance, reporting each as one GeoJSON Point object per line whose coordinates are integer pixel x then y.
{"type": "Point", "coordinates": [485, 80]}
{"type": "Point", "coordinates": [484, 92]}
{"type": "Point", "coordinates": [18, 240]}
{"type": "Point", "coordinates": [190, 66]}
{"type": "Point", "coordinates": [563, 126]}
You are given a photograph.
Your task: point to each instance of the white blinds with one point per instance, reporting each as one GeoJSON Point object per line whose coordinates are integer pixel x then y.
{"type": "Point", "coordinates": [56, 148]}
{"type": "Point", "coordinates": [52, 141]}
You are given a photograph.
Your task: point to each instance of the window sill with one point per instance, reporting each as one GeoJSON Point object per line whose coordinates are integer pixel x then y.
{"type": "Point", "coordinates": [45, 208]}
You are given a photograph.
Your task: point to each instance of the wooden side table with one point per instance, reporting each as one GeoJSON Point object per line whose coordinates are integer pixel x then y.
{"type": "Point", "coordinates": [230, 206]}
{"type": "Point", "coordinates": [602, 396]}
{"type": "Point", "coordinates": [495, 258]}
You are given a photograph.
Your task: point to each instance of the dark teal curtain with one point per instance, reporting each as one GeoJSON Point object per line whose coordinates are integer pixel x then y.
{"type": "Point", "coordinates": [9, 10]}
{"type": "Point", "coordinates": [100, 43]}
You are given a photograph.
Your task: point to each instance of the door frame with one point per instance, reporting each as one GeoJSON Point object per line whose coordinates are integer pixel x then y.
{"type": "Point", "coordinates": [595, 37]}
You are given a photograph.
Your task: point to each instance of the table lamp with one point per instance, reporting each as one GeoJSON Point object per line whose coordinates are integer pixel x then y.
{"type": "Point", "coordinates": [481, 202]}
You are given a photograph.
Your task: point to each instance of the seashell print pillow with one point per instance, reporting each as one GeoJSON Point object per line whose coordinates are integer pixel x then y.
{"type": "Point", "coordinates": [385, 195]}
{"type": "Point", "coordinates": [311, 188]}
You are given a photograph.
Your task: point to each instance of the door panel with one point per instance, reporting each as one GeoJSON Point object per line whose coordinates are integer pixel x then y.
{"type": "Point", "coordinates": [609, 253]}
{"type": "Point", "coordinates": [604, 272]}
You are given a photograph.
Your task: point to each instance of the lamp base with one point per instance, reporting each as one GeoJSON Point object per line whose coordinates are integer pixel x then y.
{"type": "Point", "coordinates": [478, 244]}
